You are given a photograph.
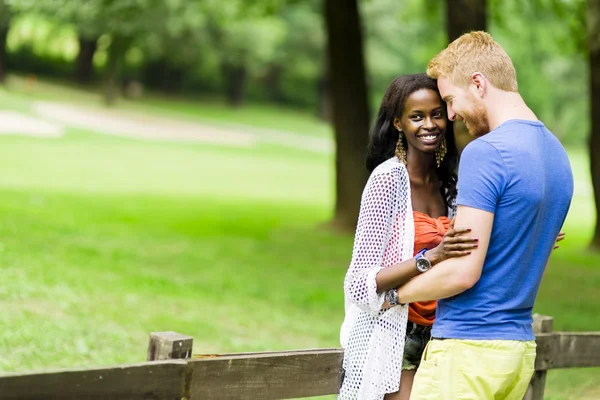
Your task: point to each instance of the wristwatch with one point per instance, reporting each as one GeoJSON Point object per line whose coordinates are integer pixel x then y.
{"type": "Point", "coordinates": [423, 264]}
{"type": "Point", "coordinates": [391, 296]}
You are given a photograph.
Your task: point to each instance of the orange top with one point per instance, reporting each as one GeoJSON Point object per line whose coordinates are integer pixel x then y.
{"type": "Point", "coordinates": [428, 234]}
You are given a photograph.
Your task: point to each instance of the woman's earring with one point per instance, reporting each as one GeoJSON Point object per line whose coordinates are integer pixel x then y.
{"type": "Point", "coordinates": [400, 151]}
{"type": "Point", "coordinates": [440, 153]}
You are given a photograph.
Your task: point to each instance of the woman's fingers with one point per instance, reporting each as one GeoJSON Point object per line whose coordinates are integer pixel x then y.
{"type": "Point", "coordinates": [453, 254]}
{"type": "Point", "coordinates": [460, 239]}
{"type": "Point", "coordinates": [460, 246]}
{"type": "Point", "coordinates": [456, 232]}
{"type": "Point", "coordinates": [560, 236]}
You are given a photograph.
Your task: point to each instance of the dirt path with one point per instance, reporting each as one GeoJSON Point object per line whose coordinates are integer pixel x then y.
{"type": "Point", "coordinates": [150, 127]}
{"type": "Point", "coordinates": [16, 123]}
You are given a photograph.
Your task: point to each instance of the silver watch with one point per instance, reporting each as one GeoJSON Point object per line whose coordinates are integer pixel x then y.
{"type": "Point", "coordinates": [391, 296]}
{"type": "Point", "coordinates": [423, 264]}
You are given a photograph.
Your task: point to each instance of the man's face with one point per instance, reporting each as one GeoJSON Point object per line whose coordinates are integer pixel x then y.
{"type": "Point", "coordinates": [464, 105]}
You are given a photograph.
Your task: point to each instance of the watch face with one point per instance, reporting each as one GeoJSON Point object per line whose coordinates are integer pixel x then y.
{"type": "Point", "coordinates": [391, 298]}
{"type": "Point", "coordinates": [423, 264]}
{"type": "Point", "coordinates": [388, 297]}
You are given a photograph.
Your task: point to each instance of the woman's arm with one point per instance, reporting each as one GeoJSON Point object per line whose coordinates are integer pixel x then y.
{"type": "Point", "coordinates": [383, 195]}
{"type": "Point", "coordinates": [453, 244]}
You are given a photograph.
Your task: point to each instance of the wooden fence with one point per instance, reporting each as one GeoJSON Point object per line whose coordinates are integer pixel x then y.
{"type": "Point", "coordinates": [172, 373]}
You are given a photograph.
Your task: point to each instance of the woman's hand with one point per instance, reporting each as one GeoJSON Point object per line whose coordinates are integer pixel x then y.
{"type": "Point", "coordinates": [454, 244]}
{"type": "Point", "coordinates": [560, 237]}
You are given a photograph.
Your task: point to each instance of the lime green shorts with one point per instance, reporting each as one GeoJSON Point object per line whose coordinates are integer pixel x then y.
{"type": "Point", "coordinates": [474, 370]}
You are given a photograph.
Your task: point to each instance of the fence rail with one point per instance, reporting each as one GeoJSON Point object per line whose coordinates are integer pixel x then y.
{"type": "Point", "coordinates": [172, 373]}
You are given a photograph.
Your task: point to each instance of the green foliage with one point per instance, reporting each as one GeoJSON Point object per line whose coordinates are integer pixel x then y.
{"type": "Point", "coordinates": [401, 38]}
{"type": "Point", "coordinates": [190, 46]}
{"type": "Point", "coordinates": [550, 63]}
{"type": "Point", "coordinates": [126, 18]}
{"type": "Point", "coordinates": [5, 13]}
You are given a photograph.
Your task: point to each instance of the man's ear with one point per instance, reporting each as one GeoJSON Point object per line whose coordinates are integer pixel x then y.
{"type": "Point", "coordinates": [397, 124]}
{"type": "Point", "coordinates": [480, 83]}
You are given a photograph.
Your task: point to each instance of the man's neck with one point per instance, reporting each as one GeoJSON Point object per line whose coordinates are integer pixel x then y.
{"type": "Point", "coordinates": [505, 106]}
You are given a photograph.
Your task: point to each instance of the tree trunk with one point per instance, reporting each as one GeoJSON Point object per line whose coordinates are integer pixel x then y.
{"type": "Point", "coordinates": [464, 16]}
{"type": "Point", "coordinates": [272, 83]}
{"type": "Point", "coordinates": [5, 17]}
{"type": "Point", "coordinates": [235, 81]}
{"type": "Point", "coordinates": [112, 77]}
{"type": "Point", "coordinates": [593, 22]}
{"type": "Point", "coordinates": [324, 95]}
{"type": "Point", "coordinates": [85, 59]}
{"type": "Point", "coordinates": [3, 35]}
{"type": "Point", "coordinates": [116, 54]}
{"type": "Point", "coordinates": [350, 111]}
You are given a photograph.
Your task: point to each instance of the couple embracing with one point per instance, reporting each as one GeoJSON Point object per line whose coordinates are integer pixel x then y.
{"type": "Point", "coordinates": [448, 256]}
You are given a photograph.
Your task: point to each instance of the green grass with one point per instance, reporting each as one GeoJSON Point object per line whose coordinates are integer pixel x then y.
{"type": "Point", "coordinates": [105, 239]}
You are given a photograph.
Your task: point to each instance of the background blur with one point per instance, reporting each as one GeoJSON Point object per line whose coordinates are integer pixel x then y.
{"type": "Point", "coordinates": [197, 165]}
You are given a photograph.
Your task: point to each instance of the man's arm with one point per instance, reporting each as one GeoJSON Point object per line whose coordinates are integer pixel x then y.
{"type": "Point", "coordinates": [455, 275]}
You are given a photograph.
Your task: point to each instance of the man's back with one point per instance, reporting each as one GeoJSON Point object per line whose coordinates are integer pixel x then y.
{"type": "Point", "coordinates": [521, 173]}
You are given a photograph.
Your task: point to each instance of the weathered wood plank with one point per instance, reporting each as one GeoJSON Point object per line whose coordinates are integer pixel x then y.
{"type": "Point", "coordinates": [157, 381]}
{"type": "Point", "coordinates": [567, 350]}
{"type": "Point", "coordinates": [270, 375]}
{"type": "Point", "coordinates": [542, 324]}
{"type": "Point", "coordinates": [264, 353]}
{"type": "Point", "coordinates": [169, 346]}
{"type": "Point", "coordinates": [537, 385]}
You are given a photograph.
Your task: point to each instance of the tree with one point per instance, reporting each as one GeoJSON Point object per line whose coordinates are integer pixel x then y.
{"type": "Point", "coordinates": [464, 16]}
{"type": "Point", "coordinates": [246, 37]}
{"type": "Point", "coordinates": [81, 16]}
{"type": "Point", "coordinates": [123, 21]}
{"type": "Point", "coordinates": [593, 28]}
{"type": "Point", "coordinates": [350, 112]}
{"type": "Point", "coordinates": [84, 69]}
{"type": "Point", "coordinates": [296, 71]}
{"type": "Point", "coordinates": [5, 17]}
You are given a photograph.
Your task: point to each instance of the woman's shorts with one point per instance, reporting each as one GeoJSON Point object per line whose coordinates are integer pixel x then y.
{"type": "Point", "coordinates": [417, 337]}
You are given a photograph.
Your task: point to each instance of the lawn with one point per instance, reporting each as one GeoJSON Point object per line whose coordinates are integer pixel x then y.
{"type": "Point", "coordinates": [105, 239]}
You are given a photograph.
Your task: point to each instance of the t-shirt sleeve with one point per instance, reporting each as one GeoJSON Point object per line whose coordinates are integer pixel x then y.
{"type": "Point", "coordinates": [482, 176]}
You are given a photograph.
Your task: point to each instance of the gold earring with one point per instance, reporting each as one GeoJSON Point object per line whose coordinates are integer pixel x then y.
{"type": "Point", "coordinates": [400, 151]}
{"type": "Point", "coordinates": [440, 153]}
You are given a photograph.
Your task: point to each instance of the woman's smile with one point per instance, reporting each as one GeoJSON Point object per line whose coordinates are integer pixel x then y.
{"type": "Point", "coordinates": [429, 138]}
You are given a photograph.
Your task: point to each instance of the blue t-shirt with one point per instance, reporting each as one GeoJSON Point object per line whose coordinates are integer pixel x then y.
{"type": "Point", "coordinates": [521, 173]}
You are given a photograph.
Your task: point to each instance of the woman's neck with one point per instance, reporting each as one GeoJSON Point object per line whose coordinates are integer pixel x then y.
{"type": "Point", "coordinates": [421, 167]}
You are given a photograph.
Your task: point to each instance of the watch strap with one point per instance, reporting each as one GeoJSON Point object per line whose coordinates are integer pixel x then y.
{"type": "Point", "coordinates": [421, 253]}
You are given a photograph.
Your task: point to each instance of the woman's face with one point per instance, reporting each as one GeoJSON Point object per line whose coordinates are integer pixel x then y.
{"type": "Point", "coordinates": [423, 120]}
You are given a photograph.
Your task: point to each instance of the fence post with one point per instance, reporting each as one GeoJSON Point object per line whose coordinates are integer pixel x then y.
{"type": "Point", "coordinates": [168, 346]}
{"type": "Point", "coordinates": [535, 391]}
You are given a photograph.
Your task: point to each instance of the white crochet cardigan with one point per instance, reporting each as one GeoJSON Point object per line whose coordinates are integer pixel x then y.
{"type": "Point", "coordinates": [372, 338]}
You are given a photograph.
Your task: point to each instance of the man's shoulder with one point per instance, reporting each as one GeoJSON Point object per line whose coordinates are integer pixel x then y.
{"type": "Point", "coordinates": [482, 149]}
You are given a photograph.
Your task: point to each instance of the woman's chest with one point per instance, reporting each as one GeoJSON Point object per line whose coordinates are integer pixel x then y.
{"type": "Point", "coordinates": [428, 201]}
